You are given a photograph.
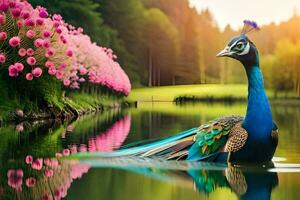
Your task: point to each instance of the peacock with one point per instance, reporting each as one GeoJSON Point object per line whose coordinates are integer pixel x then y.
{"type": "Point", "coordinates": [227, 139]}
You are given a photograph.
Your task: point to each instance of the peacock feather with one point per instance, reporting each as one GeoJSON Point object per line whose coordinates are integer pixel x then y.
{"type": "Point", "coordinates": [212, 136]}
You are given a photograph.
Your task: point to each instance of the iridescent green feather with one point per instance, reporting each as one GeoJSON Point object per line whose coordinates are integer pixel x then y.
{"type": "Point", "coordinates": [212, 136]}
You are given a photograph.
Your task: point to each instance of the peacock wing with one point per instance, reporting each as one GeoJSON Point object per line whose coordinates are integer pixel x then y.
{"type": "Point", "coordinates": [212, 136]}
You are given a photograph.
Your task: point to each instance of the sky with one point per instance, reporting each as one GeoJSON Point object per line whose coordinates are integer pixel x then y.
{"type": "Point", "coordinates": [233, 12]}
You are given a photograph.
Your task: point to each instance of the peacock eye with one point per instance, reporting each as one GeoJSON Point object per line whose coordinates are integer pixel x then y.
{"type": "Point", "coordinates": [239, 46]}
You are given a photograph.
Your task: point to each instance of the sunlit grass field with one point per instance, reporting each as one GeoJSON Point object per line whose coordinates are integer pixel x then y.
{"type": "Point", "coordinates": [203, 91]}
{"type": "Point", "coordinates": [168, 93]}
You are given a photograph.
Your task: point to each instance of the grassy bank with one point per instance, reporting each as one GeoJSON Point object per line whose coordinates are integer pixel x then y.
{"type": "Point", "coordinates": [206, 92]}
{"type": "Point", "coordinates": [67, 107]}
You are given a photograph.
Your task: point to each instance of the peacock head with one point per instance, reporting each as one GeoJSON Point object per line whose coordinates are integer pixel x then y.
{"type": "Point", "coordinates": [241, 48]}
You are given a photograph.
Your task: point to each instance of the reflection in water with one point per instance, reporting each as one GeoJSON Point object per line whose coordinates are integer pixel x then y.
{"type": "Point", "coordinates": [33, 164]}
{"type": "Point", "coordinates": [247, 185]}
{"type": "Point", "coordinates": [49, 177]}
{"type": "Point", "coordinates": [50, 181]}
{"type": "Point", "coordinates": [252, 182]}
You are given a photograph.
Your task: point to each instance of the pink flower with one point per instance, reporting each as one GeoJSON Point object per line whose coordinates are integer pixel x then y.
{"type": "Point", "coordinates": [2, 19]}
{"type": "Point", "coordinates": [31, 60]}
{"type": "Point", "coordinates": [81, 80]}
{"type": "Point", "coordinates": [46, 43]}
{"type": "Point", "coordinates": [52, 71]}
{"type": "Point", "coordinates": [46, 34]}
{"type": "Point", "coordinates": [3, 35]}
{"type": "Point", "coordinates": [43, 13]}
{"type": "Point", "coordinates": [47, 197]}
{"type": "Point", "coordinates": [12, 4]}
{"type": "Point", "coordinates": [30, 34]}
{"type": "Point", "coordinates": [14, 41]}
{"type": "Point", "coordinates": [59, 75]}
{"type": "Point", "coordinates": [57, 17]}
{"type": "Point", "coordinates": [47, 162]}
{"type": "Point", "coordinates": [37, 72]}
{"type": "Point", "coordinates": [2, 58]}
{"type": "Point", "coordinates": [50, 52]}
{"type": "Point", "coordinates": [4, 6]}
{"type": "Point", "coordinates": [39, 21]}
{"type": "Point", "coordinates": [66, 82]}
{"type": "Point", "coordinates": [82, 71]}
{"type": "Point", "coordinates": [49, 172]}
{"type": "Point", "coordinates": [13, 71]}
{"type": "Point", "coordinates": [30, 182]}
{"type": "Point", "coordinates": [19, 66]}
{"type": "Point", "coordinates": [56, 24]}
{"type": "Point", "coordinates": [63, 66]}
{"type": "Point", "coordinates": [16, 12]}
{"type": "Point", "coordinates": [57, 194]}
{"type": "Point", "coordinates": [28, 159]}
{"type": "Point", "coordinates": [25, 14]}
{"type": "Point", "coordinates": [22, 52]}
{"type": "Point", "coordinates": [58, 30]}
{"type": "Point", "coordinates": [69, 53]}
{"type": "Point", "coordinates": [37, 164]}
{"type": "Point", "coordinates": [29, 76]}
{"type": "Point", "coordinates": [20, 128]}
{"type": "Point", "coordinates": [58, 155]}
{"type": "Point", "coordinates": [49, 64]}
{"type": "Point", "coordinates": [30, 52]}
{"type": "Point", "coordinates": [15, 178]}
{"type": "Point", "coordinates": [66, 152]}
{"type": "Point", "coordinates": [29, 22]}
{"type": "Point", "coordinates": [20, 23]}
{"type": "Point", "coordinates": [38, 43]}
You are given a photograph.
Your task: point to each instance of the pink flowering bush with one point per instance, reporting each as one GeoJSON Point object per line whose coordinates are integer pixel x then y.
{"type": "Point", "coordinates": [37, 45]}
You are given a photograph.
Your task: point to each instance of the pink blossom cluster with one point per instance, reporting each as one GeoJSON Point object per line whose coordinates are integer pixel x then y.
{"type": "Point", "coordinates": [46, 45]}
{"type": "Point", "coordinates": [98, 64]}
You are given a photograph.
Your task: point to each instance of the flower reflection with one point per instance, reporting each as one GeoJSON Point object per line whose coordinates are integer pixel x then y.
{"type": "Point", "coordinates": [30, 182]}
{"type": "Point", "coordinates": [15, 178]}
{"type": "Point", "coordinates": [49, 172]}
{"type": "Point", "coordinates": [37, 164]}
{"type": "Point", "coordinates": [50, 178]}
{"type": "Point", "coordinates": [112, 138]}
{"type": "Point", "coordinates": [28, 159]}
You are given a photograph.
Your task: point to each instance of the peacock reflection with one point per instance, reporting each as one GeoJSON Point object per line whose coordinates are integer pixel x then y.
{"type": "Point", "coordinates": [247, 182]}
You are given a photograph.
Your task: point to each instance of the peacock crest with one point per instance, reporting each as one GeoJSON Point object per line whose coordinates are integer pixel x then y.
{"type": "Point", "coordinates": [249, 26]}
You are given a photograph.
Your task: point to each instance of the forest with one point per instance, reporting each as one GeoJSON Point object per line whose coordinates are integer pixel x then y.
{"type": "Point", "coordinates": [167, 42]}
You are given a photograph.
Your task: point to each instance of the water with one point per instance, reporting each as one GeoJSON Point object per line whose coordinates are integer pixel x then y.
{"type": "Point", "coordinates": [132, 179]}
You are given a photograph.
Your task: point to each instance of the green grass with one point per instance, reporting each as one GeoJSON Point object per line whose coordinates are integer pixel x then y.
{"type": "Point", "coordinates": [168, 93]}
{"type": "Point", "coordinates": [203, 91]}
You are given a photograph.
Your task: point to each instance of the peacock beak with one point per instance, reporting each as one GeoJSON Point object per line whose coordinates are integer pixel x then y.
{"type": "Point", "coordinates": [224, 52]}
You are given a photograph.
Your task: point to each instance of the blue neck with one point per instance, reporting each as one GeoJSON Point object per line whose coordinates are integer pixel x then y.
{"type": "Point", "coordinates": [258, 121]}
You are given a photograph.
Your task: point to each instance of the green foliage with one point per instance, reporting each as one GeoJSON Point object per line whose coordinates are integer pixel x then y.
{"type": "Point", "coordinates": [28, 95]}
{"type": "Point", "coordinates": [282, 68]}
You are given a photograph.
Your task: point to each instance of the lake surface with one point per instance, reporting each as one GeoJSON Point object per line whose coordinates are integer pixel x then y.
{"type": "Point", "coordinates": [48, 177]}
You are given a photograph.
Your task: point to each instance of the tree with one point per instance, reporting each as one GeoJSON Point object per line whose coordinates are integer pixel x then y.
{"type": "Point", "coordinates": [162, 47]}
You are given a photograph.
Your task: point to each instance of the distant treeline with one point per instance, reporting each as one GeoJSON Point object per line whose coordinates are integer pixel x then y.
{"type": "Point", "coordinates": [165, 42]}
